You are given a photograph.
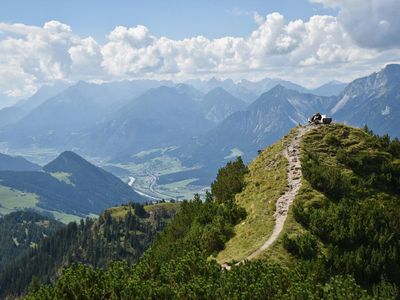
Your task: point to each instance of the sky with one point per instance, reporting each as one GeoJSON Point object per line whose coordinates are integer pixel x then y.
{"type": "Point", "coordinates": [308, 42]}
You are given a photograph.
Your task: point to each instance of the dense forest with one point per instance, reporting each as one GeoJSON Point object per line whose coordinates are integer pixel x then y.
{"type": "Point", "coordinates": [347, 247]}
{"type": "Point", "coordinates": [22, 230]}
{"type": "Point", "coordinates": [356, 214]}
{"type": "Point", "coordinates": [123, 232]}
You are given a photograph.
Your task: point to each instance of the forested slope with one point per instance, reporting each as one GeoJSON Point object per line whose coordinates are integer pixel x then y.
{"type": "Point", "coordinates": [23, 230]}
{"type": "Point", "coordinates": [341, 239]}
{"type": "Point", "coordinates": [120, 233]}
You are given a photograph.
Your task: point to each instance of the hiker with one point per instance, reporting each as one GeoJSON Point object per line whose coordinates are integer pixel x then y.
{"type": "Point", "coordinates": [316, 118]}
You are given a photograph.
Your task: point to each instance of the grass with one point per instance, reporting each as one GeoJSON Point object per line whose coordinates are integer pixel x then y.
{"type": "Point", "coordinates": [277, 253]}
{"type": "Point", "coordinates": [265, 183]}
{"type": "Point", "coordinates": [12, 200]}
{"type": "Point", "coordinates": [318, 140]}
{"type": "Point", "coordinates": [63, 217]}
{"type": "Point", "coordinates": [121, 211]}
{"type": "Point", "coordinates": [63, 177]}
{"type": "Point", "coordinates": [168, 206]}
{"type": "Point", "coordinates": [158, 166]}
{"type": "Point", "coordinates": [179, 189]}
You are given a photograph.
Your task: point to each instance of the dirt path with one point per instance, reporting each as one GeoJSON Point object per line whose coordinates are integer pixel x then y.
{"type": "Point", "coordinates": [291, 152]}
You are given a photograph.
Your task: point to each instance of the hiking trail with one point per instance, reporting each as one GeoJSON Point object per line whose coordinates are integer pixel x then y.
{"type": "Point", "coordinates": [294, 175]}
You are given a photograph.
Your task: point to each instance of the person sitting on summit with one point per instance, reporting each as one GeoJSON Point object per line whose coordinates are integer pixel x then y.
{"type": "Point", "coordinates": [316, 118]}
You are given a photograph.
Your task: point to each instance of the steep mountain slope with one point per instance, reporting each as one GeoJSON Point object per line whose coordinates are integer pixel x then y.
{"type": "Point", "coordinates": [279, 168]}
{"type": "Point", "coordinates": [42, 95]}
{"type": "Point", "coordinates": [340, 239]}
{"type": "Point", "coordinates": [120, 233]}
{"type": "Point", "coordinates": [262, 123]}
{"type": "Point", "coordinates": [332, 88]}
{"type": "Point", "coordinates": [21, 231]}
{"type": "Point", "coordinates": [219, 104]}
{"type": "Point", "coordinates": [373, 100]}
{"type": "Point", "coordinates": [13, 114]}
{"type": "Point", "coordinates": [160, 117]}
{"type": "Point", "coordinates": [9, 115]}
{"type": "Point", "coordinates": [71, 185]}
{"type": "Point", "coordinates": [63, 119]}
{"type": "Point", "coordinates": [11, 163]}
{"type": "Point", "coordinates": [350, 185]}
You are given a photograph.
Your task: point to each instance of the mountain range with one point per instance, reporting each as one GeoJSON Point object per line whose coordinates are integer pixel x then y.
{"type": "Point", "coordinates": [206, 122]}
{"type": "Point", "coordinates": [373, 100]}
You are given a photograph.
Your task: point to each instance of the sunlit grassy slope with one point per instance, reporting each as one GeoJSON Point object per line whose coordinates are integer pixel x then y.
{"type": "Point", "coordinates": [265, 183]}
{"type": "Point", "coordinates": [13, 200]}
{"type": "Point", "coordinates": [121, 211]}
{"type": "Point", "coordinates": [63, 177]}
{"type": "Point", "coordinates": [267, 180]}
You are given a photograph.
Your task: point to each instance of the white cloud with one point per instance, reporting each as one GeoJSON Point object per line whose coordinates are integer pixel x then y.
{"type": "Point", "coordinates": [306, 51]}
{"type": "Point", "coordinates": [371, 23]}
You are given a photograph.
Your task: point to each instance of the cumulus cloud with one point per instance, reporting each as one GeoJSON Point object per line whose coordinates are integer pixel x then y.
{"type": "Point", "coordinates": [306, 51]}
{"type": "Point", "coordinates": [371, 23]}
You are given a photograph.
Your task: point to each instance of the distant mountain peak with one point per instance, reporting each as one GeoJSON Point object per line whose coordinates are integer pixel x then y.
{"type": "Point", "coordinates": [218, 90]}
{"type": "Point", "coordinates": [279, 89]}
{"type": "Point", "coordinates": [70, 155]}
{"type": "Point", "coordinates": [66, 162]}
{"type": "Point", "coordinates": [392, 68]}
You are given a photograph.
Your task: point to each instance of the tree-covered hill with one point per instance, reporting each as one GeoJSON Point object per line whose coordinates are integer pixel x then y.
{"type": "Point", "coordinates": [71, 185]}
{"type": "Point", "coordinates": [120, 233]}
{"type": "Point", "coordinates": [22, 230]}
{"type": "Point", "coordinates": [341, 239]}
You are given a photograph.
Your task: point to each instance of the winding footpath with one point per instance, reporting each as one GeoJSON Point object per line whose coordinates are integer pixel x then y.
{"type": "Point", "coordinates": [294, 175]}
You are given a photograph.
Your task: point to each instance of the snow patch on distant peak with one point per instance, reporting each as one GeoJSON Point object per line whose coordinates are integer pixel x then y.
{"type": "Point", "coordinates": [342, 102]}
{"type": "Point", "coordinates": [386, 111]}
{"type": "Point", "coordinates": [293, 120]}
{"type": "Point", "coordinates": [235, 152]}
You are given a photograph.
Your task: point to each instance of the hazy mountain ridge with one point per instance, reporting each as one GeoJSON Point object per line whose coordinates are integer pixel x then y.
{"type": "Point", "coordinates": [142, 115]}
{"type": "Point", "coordinates": [218, 104]}
{"type": "Point", "coordinates": [16, 163]}
{"type": "Point", "coordinates": [160, 117]}
{"type": "Point", "coordinates": [332, 88]}
{"type": "Point", "coordinates": [13, 114]}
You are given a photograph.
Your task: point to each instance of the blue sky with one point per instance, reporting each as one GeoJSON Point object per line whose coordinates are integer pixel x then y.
{"type": "Point", "coordinates": [171, 18]}
{"type": "Point", "coordinates": [309, 42]}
